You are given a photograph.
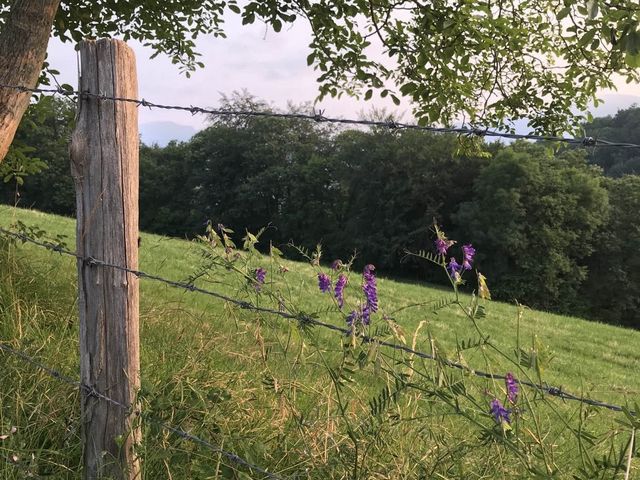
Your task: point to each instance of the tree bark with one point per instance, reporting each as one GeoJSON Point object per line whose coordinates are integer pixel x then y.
{"type": "Point", "coordinates": [23, 45]}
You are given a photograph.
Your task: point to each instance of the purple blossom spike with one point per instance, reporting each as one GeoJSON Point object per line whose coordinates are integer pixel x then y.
{"type": "Point", "coordinates": [369, 288]}
{"type": "Point", "coordinates": [454, 269]}
{"type": "Point", "coordinates": [366, 315]}
{"type": "Point", "coordinates": [352, 317]}
{"type": "Point", "coordinates": [500, 414]}
{"type": "Point", "coordinates": [324, 282]}
{"type": "Point", "coordinates": [442, 245]}
{"type": "Point", "coordinates": [512, 387]}
{"type": "Point", "coordinates": [260, 276]}
{"type": "Point", "coordinates": [336, 265]}
{"type": "Point", "coordinates": [468, 252]}
{"type": "Point", "coordinates": [339, 290]}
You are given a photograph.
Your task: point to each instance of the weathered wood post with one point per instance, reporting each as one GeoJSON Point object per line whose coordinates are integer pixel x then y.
{"type": "Point", "coordinates": [104, 163]}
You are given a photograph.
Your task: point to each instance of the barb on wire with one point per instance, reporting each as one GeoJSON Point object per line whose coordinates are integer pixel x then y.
{"type": "Point", "coordinates": [319, 117]}
{"type": "Point", "coordinates": [90, 391]}
{"type": "Point", "coordinates": [308, 320]}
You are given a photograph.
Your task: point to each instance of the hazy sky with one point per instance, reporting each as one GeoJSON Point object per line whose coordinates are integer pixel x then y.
{"type": "Point", "coordinates": [270, 65]}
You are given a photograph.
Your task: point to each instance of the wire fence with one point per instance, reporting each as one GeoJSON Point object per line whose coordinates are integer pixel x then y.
{"type": "Point", "coordinates": [92, 392]}
{"type": "Point", "coordinates": [306, 320]}
{"type": "Point", "coordinates": [321, 118]}
{"type": "Point", "coordinates": [301, 319]}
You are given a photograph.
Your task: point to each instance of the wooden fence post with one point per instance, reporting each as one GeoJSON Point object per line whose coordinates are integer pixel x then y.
{"type": "Point", "coordinates": [104, 164]}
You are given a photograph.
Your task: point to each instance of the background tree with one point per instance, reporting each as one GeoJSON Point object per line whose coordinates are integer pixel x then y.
{"type": "Point", "coordinates": [532, 218]}
{"type": "Point", "coordinates": [166, 190]}
{"type": "Point", "coordinates": [395, 184]}
{"type": "Point", "coordinates": [624, 126]}
{"type": "Point", "coordinates": [487, 62]}
{"type": "Point", "coordinates": [613, 287]}
{"type": "Point", "coordinates": [43, 138]}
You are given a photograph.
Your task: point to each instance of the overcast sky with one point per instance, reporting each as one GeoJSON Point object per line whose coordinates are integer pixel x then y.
{"type": "Point", "coordinates": [270, 65]}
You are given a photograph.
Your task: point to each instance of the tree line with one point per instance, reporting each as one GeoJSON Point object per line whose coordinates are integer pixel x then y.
{"type": "Point", "coordinates": [555, 228]}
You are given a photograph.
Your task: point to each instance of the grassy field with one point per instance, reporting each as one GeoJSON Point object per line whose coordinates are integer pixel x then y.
{"type": "Point", "coordinates": [263, 388]}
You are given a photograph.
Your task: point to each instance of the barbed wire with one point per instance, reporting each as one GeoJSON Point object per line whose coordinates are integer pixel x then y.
{"type": "Point", "coordinates": [306, 320]}
{"type": "Point", "coordinates": [92, 392]}
{"type": "Point", "coordinates": [321, 118]}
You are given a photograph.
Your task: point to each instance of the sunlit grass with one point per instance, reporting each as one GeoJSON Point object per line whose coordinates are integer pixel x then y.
{"type": "Point", "coordinates": [256, 384]}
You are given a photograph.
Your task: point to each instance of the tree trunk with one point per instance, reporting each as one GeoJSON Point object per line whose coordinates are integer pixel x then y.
{"type": "Point", "coordinates": [23, 45]}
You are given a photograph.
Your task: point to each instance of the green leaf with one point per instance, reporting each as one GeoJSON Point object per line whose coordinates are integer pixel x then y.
{"type": "Point", "coordinates": [368, 94]}
{"type": "Point", "coordinates": [587, 37]}
{"type": "Point", "coordinates": [633, 60]}
{"type": "Point", "coordinates": [563, 13]}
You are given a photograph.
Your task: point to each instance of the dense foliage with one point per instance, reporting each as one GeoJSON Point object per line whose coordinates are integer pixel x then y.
{"type": "Point", "coordinates": [535, 214]}
{"type": "Point", "coordinates": [622, 127]}
{"type": "Point", "coordinates": [42, 146]}
{"type": "Point", "coordinates": [487, 62]}
{"type": "Point", "coordinates": [549, 226]}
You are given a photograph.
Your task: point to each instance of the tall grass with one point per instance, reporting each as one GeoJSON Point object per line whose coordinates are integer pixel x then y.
{"type": "Point", "coordinates": [304, 402]}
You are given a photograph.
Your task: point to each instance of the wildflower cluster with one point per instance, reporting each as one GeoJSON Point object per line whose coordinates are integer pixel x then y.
{"type": "Point", "coordinates": [501, 414]}
{"type": "Point", "coordinates": [324, 282]}
{"type": "Point", "coordinates": [455, 269]}
{"type": "Point", "coordinates": [260, 276]}
{"type": "Point", "coordinates": [369, 304]}
{"type": "Point", "coordinates": [339, 290]}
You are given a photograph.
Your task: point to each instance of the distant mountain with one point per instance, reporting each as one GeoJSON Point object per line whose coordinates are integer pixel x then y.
{"type": "Point", "coordinates": [161, 133]}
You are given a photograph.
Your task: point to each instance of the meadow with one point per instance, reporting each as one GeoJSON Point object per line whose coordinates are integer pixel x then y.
{"type": "Point", "coordinates": [306, 402]}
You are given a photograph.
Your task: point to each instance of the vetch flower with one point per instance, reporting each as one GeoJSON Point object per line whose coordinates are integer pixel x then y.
{"type": "Point", "coordinates": [336, 265]}
{"type": "Point", "coordinates": [324, 282]}
{"type": "Point", "coordinates": [500, 414]}
{"type": "Point", "coordinates": [369, 288]}
{"type": "Point", "coordinates": [352, 317]}
{"type": "Point", "coordinates": [366, 315]}
{"type": "Point", "coordinates": [339, 290]}
{"type": "Point", "coordinates": [454, 269]}
{"type": "Point", "coordinates": [442, 245]}
{"type": "Point", "coordinates": [468, 252]}
{"type": "Point", "coordinates": [260, 276]}
{"type": "Point", "coordinates": [512, 387]}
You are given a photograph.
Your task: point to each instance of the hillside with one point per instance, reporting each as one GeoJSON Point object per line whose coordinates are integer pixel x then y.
{"type": "Point", "coordinates": [260, 386]}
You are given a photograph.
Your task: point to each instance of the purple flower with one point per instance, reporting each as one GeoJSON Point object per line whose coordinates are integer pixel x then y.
{"type": "Point", "coordinates": [512, 387]}
{"type": "Point", "coordinates": [324, 282]}
{"type": "Point", "coordinates": [500, 414]}
{"type": "Point", "coordinates": [352, 317]}
{"type": "Point", "coordinates": [260, 276]}
{"type": "Point", "coordinates": [442, 245]}
{"type": "Point", "coordinates": [339, 290]}
{"type": "Point", "coordinates": [336, 265]}
{"type": "Point", "coordinates": [370, 289]}
{"type": "Point", "coordinates": [454, 269]}
{"type": "Point", "coordinates": [366, 315]}
{"type": "Point", "coordinates": [468, 252]}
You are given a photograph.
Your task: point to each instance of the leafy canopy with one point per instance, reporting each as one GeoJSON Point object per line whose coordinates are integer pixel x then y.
{"type": "Point", "coordinates": [480, 61]}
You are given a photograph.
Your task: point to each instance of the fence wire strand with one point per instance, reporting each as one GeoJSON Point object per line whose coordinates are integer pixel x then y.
{"type": "Point", "coordinates": [92, 392]}
{"type": "Point", "coordinates": [321, 118]}
{"type": "Point", "coordinates": [306, 320]}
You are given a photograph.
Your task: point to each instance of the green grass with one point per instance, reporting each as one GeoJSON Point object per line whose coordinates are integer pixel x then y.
{"type": "Point", "coordinates": [260, 387]}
